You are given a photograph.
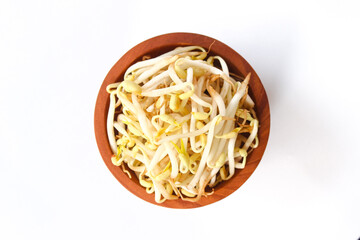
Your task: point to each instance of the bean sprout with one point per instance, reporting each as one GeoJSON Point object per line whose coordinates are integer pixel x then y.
{"type": "Point", "coordinates": [181, 124]}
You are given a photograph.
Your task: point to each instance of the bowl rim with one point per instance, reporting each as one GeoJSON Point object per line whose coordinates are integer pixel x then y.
{"type": "Point", "coordinates": [156, 44]}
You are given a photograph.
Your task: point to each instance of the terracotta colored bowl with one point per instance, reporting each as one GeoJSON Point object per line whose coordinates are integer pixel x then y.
{"type": "Point", "coordinates": [154, 47]}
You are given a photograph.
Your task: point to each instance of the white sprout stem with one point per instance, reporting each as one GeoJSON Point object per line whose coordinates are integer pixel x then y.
{"type": "Point", "coordinates": [143, 120]}
{"type": "Point", "coordinates": [214, 110]}
{"type": "Point", "coordinates": [200, 85]}
{"type": "Point", "coordinates": [192, 129]}
{"type": "Point", "coordinates": [159, 65]}
{"type": "Point", "coordinates": [155, 81]}
{"type": "Point", "coordinates": [230, 112]}
{"type": "Point", "coordinates": [125, 102]}
{"type": "Point", "coordinates": [134, 168]}
{"type": "Point", "coordinates": [111, 87]}
{"type": "Point", "coordinates": [143, 64]}
{"type": "Point", "coordinates": [156, 158]}
{"type": "Point", "coordinates": [222, 142]}
{"type": "Point", "coordinates": [205, 153]}
{"type": "Point", "coordinates": [157, 193]}
{"type": "Point", "coordinates": [185, 181]}
{"type": "Point", "coordinates": [110, 121]}
{"type": "Point", "coordinates": [125, 119]}
{"type": "Point", "coordinates": [201, 102]}
{"type": "Point", "coordinates": [118, 126]}
{"type": "Point", "coordinates": [168, 90]}
{"type": "Point", "coordinates": [185, 130]}
{"type": "Point", "coordinates": [202, 183]}
{"type": "Point", "coordinates": [186, 63]}
{"type": "Point", "coordinates": [223, 65]}
{"type": "Point", "coordinates": [190, 134]}
{"type": "Point", "coordinates": [162, 111]}
{"type": "Point", "coordinates": [140, 71]}
{"type": "Point", "coordinates": [249, 103]}
{"type": "Point", "coordinates": [220, 104]}
{"type": "Point", "coordinates": [190, 75]}
{"type": "Point", "coordinates": [181, 119]}
{"type": "Point", "coordinates": [206, 99]}
{"type": "Point", "coordinates": [212, 181]}
{"type": "Point", "coordinates": [248, 143]}
{"type": "Point", "coordinates": [231, 109]}
{"type": "Point", "coordinates": [147, 150]}
{"type": "Point", "coordinates": [174, 77]}
{"type": "Point", "coordinates": [252, 135]}
{"type": "Point", "coordinates": [147, 102]}
{"type": "Point", "coordinates": [231, 160]}
{"type": "Point", "coordinates": [150, 108]}
{"type": "Point", "coordinates": [225, 91]}
{"type": "Point", "coordinates": [214, 171]}
{"type": "Point", "coordinates": [173, 159]}
{"type": "Point", "coordinates": [215, 152]}
{"type": "Point", "coordinates": [163, 191]}
{"type": "Point", "coordinates": [137, 156]}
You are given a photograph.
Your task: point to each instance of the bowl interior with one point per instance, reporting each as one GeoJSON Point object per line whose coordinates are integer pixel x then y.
{"type": "Point", "coordinates": [237, 65]}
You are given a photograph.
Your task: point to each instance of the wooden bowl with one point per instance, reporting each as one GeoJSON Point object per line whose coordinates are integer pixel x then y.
{"type": "Point", "coordinates": [154, 47]}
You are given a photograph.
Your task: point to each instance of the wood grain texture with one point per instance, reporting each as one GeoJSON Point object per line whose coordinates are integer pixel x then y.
{"type": "Point", "coordinates": [154, 47]}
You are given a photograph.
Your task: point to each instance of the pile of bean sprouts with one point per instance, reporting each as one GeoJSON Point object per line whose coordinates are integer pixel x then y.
{"type": "Point", "coordinates": [181, 124]}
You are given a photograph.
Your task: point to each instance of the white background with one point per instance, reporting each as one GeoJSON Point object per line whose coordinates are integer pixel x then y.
{"type": "Point", "coordinates": [54, 56]}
